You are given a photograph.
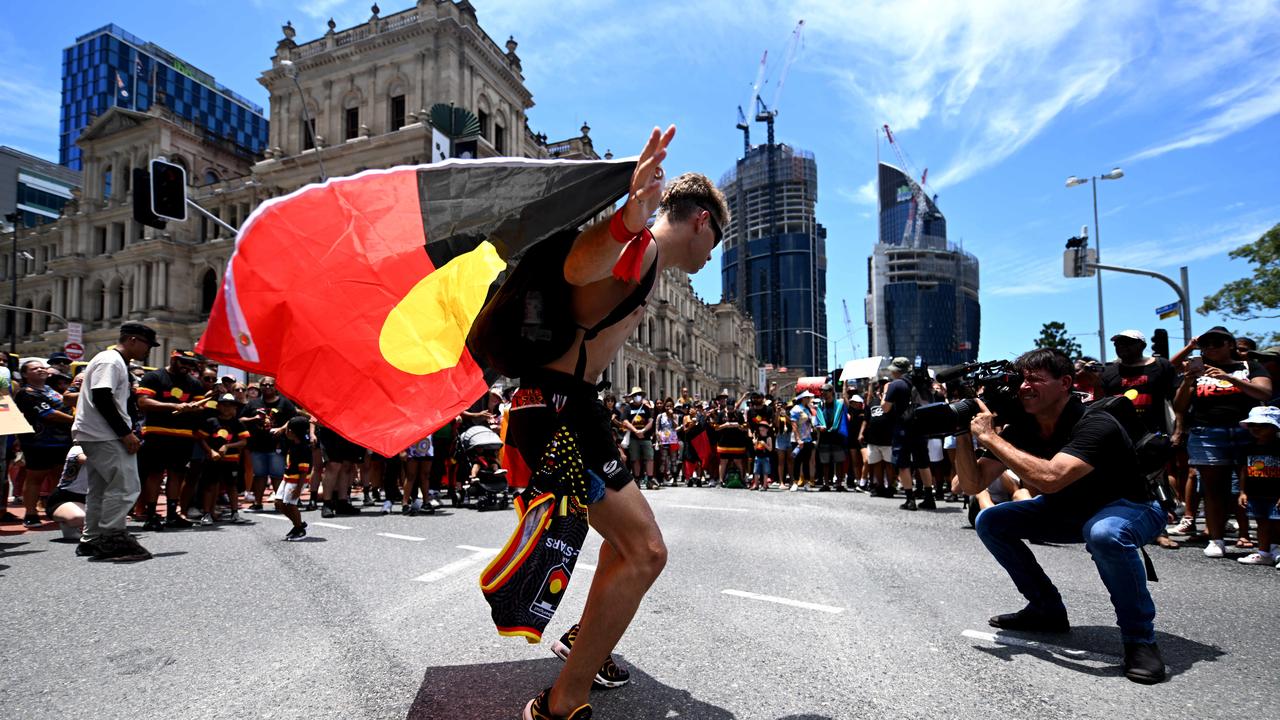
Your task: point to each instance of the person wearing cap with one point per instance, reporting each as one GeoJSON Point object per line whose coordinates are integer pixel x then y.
{"type": "Point", "coordinates": [1149, 382]}
{"type": "Point", "coordinates": [803, 415]}
{"type": "Point", "coordinates": [62, 363]}
{"type": "Point", "coordinates": [1260, 482]}
{"type": "Point", "coordinates": [102, 430]}
{"type": "Point", "coordinates": [732, 437]}
{"type": "Point", "coordinates": [222, 437]}
{"type": "Point", "coordinates": [855, 419]}
{"type": "Point", "coordinates": [910, 452]}
{"type": "Point", "coordinates": [833, 437]}
{"type": "Point", "coordinates": [297, 444]}
{"type": "Point", "coordinates": [1218, 389]}
{"type": "Point", "coordinates": [172, 402]}
{"type": "Point", "coordinates": [637, 424]}
{"type": "Point", "coordinates": [45, 448]}
{"type": "Point", "coordinates": [266, 416]}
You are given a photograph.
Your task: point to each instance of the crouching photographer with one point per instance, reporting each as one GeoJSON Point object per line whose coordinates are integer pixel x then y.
{"type": "Point", "coordinates": [1091, 489]}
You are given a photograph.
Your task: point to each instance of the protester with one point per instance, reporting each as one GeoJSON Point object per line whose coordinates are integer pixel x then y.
{"type": "Point", "coordinates": [102, 430]}
{"type": "Point", "coordinates": [223, 438]}
{"type": "Point", "coordinates": [45, 448]}
{"type": "Point", "coordinates": [833, 440]}
{"type": "Point", "coordinates": [1217, 391]}
{"type": "Point", "coordinates": [65, 505]}
{"type": "Point", "coordinates": [417, 478]}
{"type": "Point", "coordinates": [1260, 482]}
{"type": "Point", "coordinates": [855, 421]}
{"type": "Point", "coordinates": [668, 425]}
{"type": "Point", "coordinates": [636, 418]}
{"type": "Point", "coordinates": [802, 422]}
{"type": "Point", "coordinates": [172, 402]}
{"type": "Point", "coordinates": [762, 456]}
{"type": "Point", "coordinates": [1091, 488]}
{"type": "Point", "coordinates": [266, 417]}
{"type": "Point", "coordinates": [733, 440]}
{"type": "Point", "coordinates": [910, 451]}
{"type": "Point", "coordinates": [297, 447]}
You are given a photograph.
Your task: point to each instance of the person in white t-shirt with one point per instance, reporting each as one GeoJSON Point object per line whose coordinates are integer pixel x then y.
{"type": "Point", "coordinates": [102, 429]}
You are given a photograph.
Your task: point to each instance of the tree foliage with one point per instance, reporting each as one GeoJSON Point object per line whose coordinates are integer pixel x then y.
{"type": "Point", "coordinates": [1053, 335]}
{"type": "Point", "coordinates": [1255, 296]}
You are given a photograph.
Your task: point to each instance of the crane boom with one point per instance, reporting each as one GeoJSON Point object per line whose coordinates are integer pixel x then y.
{"type": "Point", "coordinates": [915, 216]}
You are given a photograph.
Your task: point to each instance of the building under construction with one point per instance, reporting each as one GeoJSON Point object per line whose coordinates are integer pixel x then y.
{"type": "Point", "coordinates": [774, 262]}
{"type": "Point", "coordinates": [922, 291]}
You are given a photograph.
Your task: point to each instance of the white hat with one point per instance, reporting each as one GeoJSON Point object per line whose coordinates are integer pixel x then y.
{"type": "Point", "coordinates": [857, 398]}
{"type": "Point", "coordinates": [803, 395]}
{"type": "Point", "coordinates": [1262, 415]}
{"type": "Point", "coordinates": [1132, 335]}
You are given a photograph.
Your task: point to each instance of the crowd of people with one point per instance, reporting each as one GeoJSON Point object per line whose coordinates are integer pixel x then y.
{"type": "Point", "coordinates": [213, 447]}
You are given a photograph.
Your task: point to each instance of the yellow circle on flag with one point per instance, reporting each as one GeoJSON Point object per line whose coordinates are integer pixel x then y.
{"type": "Point", "coordinates": [556, 586]}
{"type": "Point", "coordinates": [1131, 394]}
{"type": "Point", "coordinates": [426, 331]}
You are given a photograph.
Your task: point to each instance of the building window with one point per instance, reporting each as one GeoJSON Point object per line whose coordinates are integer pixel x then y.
{"type": "Point", "coordinates": [106, 183]}
{"type": "Point", "coordinates": [352, 124]}
{"type": "Point", "coordinates": [208, 291]}
{"type": "Point", "coordinates": [499, 139]}
{"type": "Point", "coordinates": [309, 134]}
{"type": "Point", "coordinates": [100, 240]}
{"type": "Point", "coordinates": [211, 177]}
{"type": "Point", "coordinates": [397, 112]}
{"type": "Point", "coordinates": [484, 124]}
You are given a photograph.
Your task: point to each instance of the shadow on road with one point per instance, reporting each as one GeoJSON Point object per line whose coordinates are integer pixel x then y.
{"type": "Point", "coordinates": [502, 689]}
{"type": "Point", "coordinates": [1102, 640]}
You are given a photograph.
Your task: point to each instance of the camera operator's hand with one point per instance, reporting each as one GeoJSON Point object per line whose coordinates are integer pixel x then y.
{"type": "Point", "coordinates": [982, 424]}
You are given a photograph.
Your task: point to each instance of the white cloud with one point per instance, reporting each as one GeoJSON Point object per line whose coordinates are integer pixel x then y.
{"type": "Point", "coordinates": [865, 194]}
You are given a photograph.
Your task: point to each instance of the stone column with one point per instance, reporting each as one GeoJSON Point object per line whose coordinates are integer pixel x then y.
{"type": "Point", "coordinates": [163, 284]}
{"type": "Point", "coordinates": [59, 296]}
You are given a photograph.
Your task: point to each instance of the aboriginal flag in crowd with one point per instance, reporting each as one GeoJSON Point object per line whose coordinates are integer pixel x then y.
{"type": "Point", "coordinates": [357, 294]}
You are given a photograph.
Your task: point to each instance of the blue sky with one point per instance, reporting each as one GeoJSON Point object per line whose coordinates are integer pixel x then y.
{"type": "Point", "coordinates": [1001, 100]}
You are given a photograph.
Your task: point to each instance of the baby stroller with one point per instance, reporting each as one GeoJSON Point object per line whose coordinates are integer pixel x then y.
{"type": "Point", "coordinates": [489, 489]}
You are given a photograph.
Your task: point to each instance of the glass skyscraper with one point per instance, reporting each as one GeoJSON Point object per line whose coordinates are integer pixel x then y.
{"type": "Point", "coordinates": [110, 67]}
{"type": "Point", "coordinates": [922, 299]}
{"type": "Point", "coordinates": [774, 262]}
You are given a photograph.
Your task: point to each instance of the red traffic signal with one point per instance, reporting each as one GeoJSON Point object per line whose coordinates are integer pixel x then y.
{"type": "Point", "coordinates": [168, 190]}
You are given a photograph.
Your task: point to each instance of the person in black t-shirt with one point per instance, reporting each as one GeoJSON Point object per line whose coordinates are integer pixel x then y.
{"type": "Point", "coordinates": [1086, 471]}
{"type": "Point", "coordinates": [1260, 482]}
{"type": "Point", "coordinates": [45, 449]}
{"type": "Point", "coordinates": [1149, 382]}
{"type": "Point", "coordinates": [1217, 392]}
{"type": "Point", "coordinates": [266, 417]}
{"type": "Point", "coordinates": [856, 414]}
{"type": "Point", "coordinates": [223, 437]}
{"type": "Point", "coordinates": [172, 402]}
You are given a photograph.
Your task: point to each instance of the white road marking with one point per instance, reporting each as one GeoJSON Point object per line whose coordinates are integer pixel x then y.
{"type": "Point", "coordinates": [479, 555]}
{"type": "Point", "coordinates": [706, 507]}
{"type": "Point", "coordinates": [784, 601]}
{"type": "Point", "coordinates": [1073, 653]}
{"type": "Point", "coordinates": [335, 526]}
{"type": "Point", "coordinates": [394, 536]}
{"type": "Point", "coordinates": [475, 549]}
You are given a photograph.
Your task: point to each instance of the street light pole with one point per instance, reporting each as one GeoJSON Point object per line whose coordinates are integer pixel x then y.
{"type": "Point", "coordinates": [834, 346]}
{"type": "Point", "coordinates": [1114, 174]}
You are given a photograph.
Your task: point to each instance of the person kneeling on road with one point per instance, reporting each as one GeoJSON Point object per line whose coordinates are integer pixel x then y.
{"type": "Point", "coordinates": [1091, 489]}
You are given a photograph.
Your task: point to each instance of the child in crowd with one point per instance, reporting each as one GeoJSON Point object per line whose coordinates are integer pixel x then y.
{"type": "Point", "coordinates": [417, 477]}
{"type": "Point", "coordinates": [297, 446]}
{"type": "Point", "coordinates": [66, 503]}
{"type": "Point", "coordinates": [222, 437]}
{"type": "Point", "coordinates": [762, 449]}
{"type": "Point", "coordinates": [1260, 482]}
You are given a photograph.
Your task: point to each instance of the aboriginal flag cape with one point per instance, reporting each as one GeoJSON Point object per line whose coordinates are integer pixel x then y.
{"type": "Point", "coordinates": [357, 293]}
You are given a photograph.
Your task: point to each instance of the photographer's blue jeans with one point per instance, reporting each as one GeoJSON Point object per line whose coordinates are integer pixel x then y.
{"type": "Point", "coordinates": [1112, 536]}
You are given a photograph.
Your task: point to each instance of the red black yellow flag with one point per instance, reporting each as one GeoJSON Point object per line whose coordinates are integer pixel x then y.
{"type": "Point", "coordinates": [357, 294]}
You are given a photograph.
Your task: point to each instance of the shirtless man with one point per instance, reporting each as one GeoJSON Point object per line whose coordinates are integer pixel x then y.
{"type": "Point", "coordinates": [691, 215]}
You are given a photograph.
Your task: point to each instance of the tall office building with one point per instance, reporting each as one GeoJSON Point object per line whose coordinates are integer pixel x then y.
{"type": "Point", "coordinates": [33, 187]}
{"type": "Point", "coordinates": [109, 67]}
{"type": "Point", "coordinates": [774, 262]}
{"type": "Point", "coordinates": [922, 298]}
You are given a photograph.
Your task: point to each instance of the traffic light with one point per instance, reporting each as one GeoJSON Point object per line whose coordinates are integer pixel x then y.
{"type": "Point", "coordinates": [168, 190]}
{"type": "Point", "coordinates": [1160, 342]}
{"type": "Point", "coordinates": [142, 200]}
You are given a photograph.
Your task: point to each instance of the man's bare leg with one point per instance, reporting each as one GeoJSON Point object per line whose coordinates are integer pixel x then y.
{"type": "Point", "coordinates": [631, 558]}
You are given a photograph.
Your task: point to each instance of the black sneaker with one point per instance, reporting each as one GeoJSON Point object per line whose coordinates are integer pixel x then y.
{"type": "Point", "coordinates": [910, 503]}
{"type": "Point", "coordinates": [297, 533]}
{"type": "Point", "coordinates": [840, 487]}
{"type": "Point", "coordinates": [309, 507]}
{"type": "Point", "coordinates": [120, 548]}
{"type": "Point", "coordinates": [32, 521]}
{"type": "Point", "coordinates": [88, 548]}
{"type": "Point", "coordinates": [1143, 664]}
{"type": "Point", "coordinates": [176, 521]}
{"type": "Point", "coordinates": [824, 488]}
{"type": "Point", "coordinates": [328, 512]}
{"type": "Point", "coordinates": [610, 675]}
{"type": "Point", "coordinates": [153, 523]}
{"type": "Point", "coordinates": [1028, 619]}
{"type": "Point", "coordinates": [346, 508]}
{"type": "Point", "coordinates": [256, 507]}
{"type": "Point", "coordinates": [538, 709]}
{"type": "Point", "coordinates": [928, 503]}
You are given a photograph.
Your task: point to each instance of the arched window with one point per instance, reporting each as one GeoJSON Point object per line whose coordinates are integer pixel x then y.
{"type": "Point", "coordinates": [24, 320]}
{"type": "Point", "coordinates": [114, 295]}
{"type": "Point", "coordinates": [106, 182]}
{"type": "Point", "coordinates": [208, 291]}
{"type": "Point", "coordinates": [94, 306]}
{"type": "Point", "coordinates": [211, 177]}
{"type": "Point", "coordinates": [652, 342]}
{"type": "Point", "coordinates": [653, 384]}
{"type": "Point", "coordinates": [42, 321]}
{"type": "Point", "coordinates": [631, 377]}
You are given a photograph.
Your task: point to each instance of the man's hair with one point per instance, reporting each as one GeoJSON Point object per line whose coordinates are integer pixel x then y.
{"type": "Point", "coordinates": [1249, 343]}
{"type": "Point", "coordinates": [691, 193]}
{"type": "Point", "coordinates": [22, 369]}
{"type": "Point", "coordinates": [1051, 360]}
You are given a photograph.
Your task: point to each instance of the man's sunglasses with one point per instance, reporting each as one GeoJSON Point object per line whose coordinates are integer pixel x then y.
{"type": "Point", "coordinates": [715, 225]}
{"type": "Point", "coordinates": [1212, 342]}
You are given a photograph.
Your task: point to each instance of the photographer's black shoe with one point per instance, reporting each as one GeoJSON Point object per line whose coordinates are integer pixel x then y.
{"type": "Point", "coordinates": [1029, 619]}
{"type": "Point", "coordinates": [928, 503]}
{"type": "Point", "coordinates": [1143, 664]}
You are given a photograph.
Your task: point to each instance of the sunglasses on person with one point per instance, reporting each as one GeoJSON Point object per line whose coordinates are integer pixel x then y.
{"type": "Point", "coordinates": [715, 225]}
{"type": "Point", "coordinates": [1213, 342]}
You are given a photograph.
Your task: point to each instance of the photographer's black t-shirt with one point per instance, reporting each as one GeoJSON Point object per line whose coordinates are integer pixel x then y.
{"type": "Point", "coordinates": [1148, 386]}
{"type": "Point", "coordinates": [898, 393]}
{"type": "Point", "coordinates": [1097, 439]}
{"type": "Point", "coordinates": [879, 427]}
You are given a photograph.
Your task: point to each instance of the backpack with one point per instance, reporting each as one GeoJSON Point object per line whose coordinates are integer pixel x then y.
{"type": "Point", "coordinates": [528, 322]}
{"type": "Point", "coordinates": [1154, 450]}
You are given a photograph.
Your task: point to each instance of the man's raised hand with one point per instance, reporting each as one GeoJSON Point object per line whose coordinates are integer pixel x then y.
{"type": "Point", "coordinates": [646, 181]}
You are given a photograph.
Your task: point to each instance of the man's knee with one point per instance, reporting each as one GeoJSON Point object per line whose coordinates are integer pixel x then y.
{"type": "Point", "coordinates": [652, 558]}
{"type": "Point", "coordinates": [1107, 537]}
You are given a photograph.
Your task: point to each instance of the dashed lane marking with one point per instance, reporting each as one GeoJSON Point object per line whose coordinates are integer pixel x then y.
{"type": "Point", "coordinates": [272, 517]}
{"type": "Point", "coordinates": [394, 536]}
{"type": "Point", "coordinates": [335, 526]}
{"type": "Point", "coordinates": [784, 601]}
{"type": "Point", "coordinates": [1072, 653]}
{"type": "Point", "coordinates": [478, 555]}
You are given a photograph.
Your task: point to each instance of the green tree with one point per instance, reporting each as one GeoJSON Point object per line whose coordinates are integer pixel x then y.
{"type": "Point", "coordinates": [1257, 296]}
{"type": "Point", "coordinates": [1053, 335]}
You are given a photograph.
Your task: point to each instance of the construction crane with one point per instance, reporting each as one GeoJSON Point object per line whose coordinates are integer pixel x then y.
{"type": "Point", "coordinates": [915, 217]}
{"type": "Point", "coordinates": [743, 125]}
{"type": "Point", "coordinates": [848, 328]}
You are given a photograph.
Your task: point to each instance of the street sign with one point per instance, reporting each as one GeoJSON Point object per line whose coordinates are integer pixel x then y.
{"type": "Point", "coordinates": [75, 351]}
{"type": "Point", "coordinates": [75, 332]}
{"type": "Point", "coordinates": [1168, 311]}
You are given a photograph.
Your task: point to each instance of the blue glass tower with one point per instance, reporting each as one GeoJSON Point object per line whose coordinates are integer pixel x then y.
{"type": "Point", "coordinates": [110, 67]}
{"type": "Point", "coordinates": [922, 291]}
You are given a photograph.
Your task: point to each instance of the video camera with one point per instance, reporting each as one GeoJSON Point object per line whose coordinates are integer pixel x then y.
{"type": "Point", "coordinates": [996, 382]}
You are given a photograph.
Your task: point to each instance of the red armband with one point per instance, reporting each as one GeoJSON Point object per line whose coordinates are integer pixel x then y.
{"type": "Point", "coordinates": [630, 265]}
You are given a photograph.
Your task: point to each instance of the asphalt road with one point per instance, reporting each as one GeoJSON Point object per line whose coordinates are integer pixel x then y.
{"type": "Point", "coordinates": [778, 606]}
